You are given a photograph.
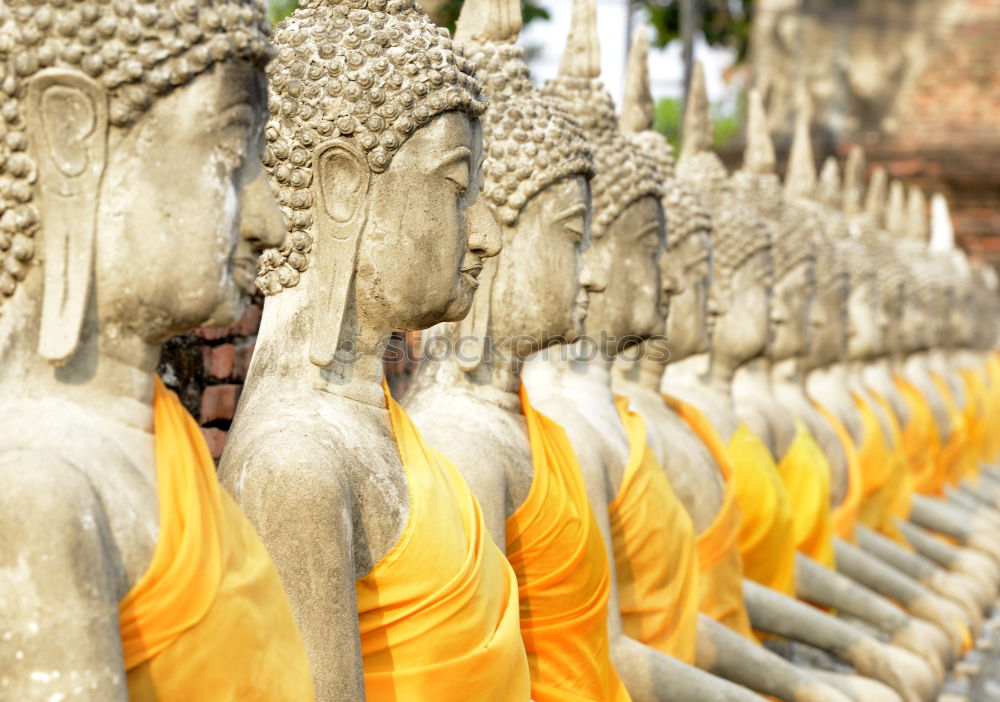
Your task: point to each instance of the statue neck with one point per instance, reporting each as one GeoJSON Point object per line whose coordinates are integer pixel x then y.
{"type": "Point", "coordinates": [282, 351]}
{"type": "Point", "coordinates": [111, 372]}
{"type": "Point", "coordinates": [644, 371]}
{"type": "Point", "coordinates": [721, 371]}
{"type": "Point", "coordinates": [757, 376]}
{"type": "Point", "coordinates": [495, 380]}
{"type": "Point", "coordinates": [790, 372]}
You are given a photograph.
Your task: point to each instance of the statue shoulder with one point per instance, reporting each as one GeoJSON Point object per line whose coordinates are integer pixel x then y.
{"type": "Point", "coordinates": [51, 509]}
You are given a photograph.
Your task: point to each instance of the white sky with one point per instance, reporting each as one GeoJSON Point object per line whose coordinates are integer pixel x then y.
{"type": "Point", "coordinates": [665, 66]}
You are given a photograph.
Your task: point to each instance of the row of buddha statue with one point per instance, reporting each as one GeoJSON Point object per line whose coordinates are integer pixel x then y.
{"type": "Point", "coordinates": [703, 436]}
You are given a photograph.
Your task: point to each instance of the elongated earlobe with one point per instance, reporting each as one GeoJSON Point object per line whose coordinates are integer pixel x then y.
{"type": "Point", "coordinates": [340, 184]}
{"type": "Point", "coordinates": [69, 144]}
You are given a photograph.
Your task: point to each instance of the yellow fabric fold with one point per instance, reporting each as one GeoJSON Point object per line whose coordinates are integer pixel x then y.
{"type": "Point", "coordinates": [921, 440]}
{"type": "Point", "coordinates": [877, 465]}
{"type": "Point", "coordinates": [899, 487]}
{"type": "Point", "coordinates": [844, 516]}
{"type": "Point", "coordinates": [767, 539]}
{"type": "Point", "coordinates": [720, 567]}
{"type": "Point", "coordinates": [952, 459]}
{"type": "Point", "coordinates": [656, 561]}
{"type": "Point", "coordinates": [438, 614]}
{"type": "Point", "coordinates": [563, 576]}
{"type": "Point", "coordinates": [806, 474]}
{"type": "Point", "coordinates": [209, 619]}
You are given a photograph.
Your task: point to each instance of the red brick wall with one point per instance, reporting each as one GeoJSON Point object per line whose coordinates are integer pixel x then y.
{"type": "Point", "coordinates": [207, 367]}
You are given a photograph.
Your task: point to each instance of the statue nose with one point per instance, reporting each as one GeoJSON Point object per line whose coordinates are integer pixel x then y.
{"type": "Point", "coordinates": [485, 237]}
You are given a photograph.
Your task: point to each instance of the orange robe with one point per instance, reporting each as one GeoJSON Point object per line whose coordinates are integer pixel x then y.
{"type": "Point", "coordinates": [720, 567]}
{"type": "Point", "coordinates": [656, 561]}
{"type": "Point", "coordinates": [877, 466]}
{"type": "Point", "coordinates": [899, 487]}
{"type": "Point", "coordinates": [993, 421]}
{"type": "Point", "coordinates": [921, 440]}
{"type": "Point", "coordinates": [438, 614]}
{"type": "Point", "coordinates": [844, 516]}
{"type": "Point", "coordinates": [952, 465]}
{"type": "Point", "coordinates": [767, 538]}
{"type": "Point", "coordinates": [563, 576]}
{"type": "Point", "coordinates": [209, 619]}
{"type": "Point", "coordinates": [975, 417]}
{"type": "Point", "coordinates": [806, 475]}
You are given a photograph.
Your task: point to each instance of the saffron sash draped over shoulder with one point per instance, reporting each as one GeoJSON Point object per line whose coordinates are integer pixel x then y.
{"type": "Point", "coordinates": [720, 567]}
{"type": "Point", "coordinates": [921, 439]}
{"type": "Point", "coordinates": [209, 620]}
{"type": "Point", "coordinates": [767, 538]}
{"type": "Point", "coordinates": [563, 575]}
{"type": "Point", "coordinates": [656, 562]}
{"type": "Point", "coordinates": [806, 474]}
{"type": "Point", "coordinates": [845, 515]}
{"type": "Point", "coordinates": [438, 614]}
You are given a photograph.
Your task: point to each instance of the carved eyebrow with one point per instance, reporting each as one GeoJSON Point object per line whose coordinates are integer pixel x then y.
{"type": "Point", "coordinates": [240, 113]}
{"type": "Point", "coordinates": [577, 210]}
{"type": "Point", "coordinates": [462, 153]}
{"type": "Point", "coordinates": [651, 228]}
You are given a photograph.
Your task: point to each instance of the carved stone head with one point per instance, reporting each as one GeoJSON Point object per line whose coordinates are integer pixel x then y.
{"type": "Point", "coordinates": [742, 271]}
{"type": "Point", "coordinates": [627, 227]}
{"type": "Point", "coordinates": [536, 183]}
{"type": "Point", "coordinates": [793, 237]}
{"type": "Point", "coordinates": [130, 132]}
{"type": "Point", "coordinates": [686, 267]}
{"type": "Point", "coordinates": [374, 148]}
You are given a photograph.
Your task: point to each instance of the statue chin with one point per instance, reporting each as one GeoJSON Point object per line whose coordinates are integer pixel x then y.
{"type": "Point", "coordinates": [229, 310]}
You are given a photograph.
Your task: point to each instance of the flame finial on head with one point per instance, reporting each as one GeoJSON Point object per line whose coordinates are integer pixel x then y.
{"type": "Point", "coordinates": [854, 181]}
{"type": "Point", "coordinates": [878, 191]}
{"type": "Point", "coordinates": [496, 21]}
{"type": "Point", "coordinates": [758, 157]}
{"type": "Point", "coordinates": [917, 226]}
{"type": "Point", "coordinates": [800, 177]}
{"type": "Point", "coordinates": [697, 129]}
{"type": "Point", "coordinates": [942, 230]}
{"type": "Point", "coordinates": [582, 56]}
{"type": "Point", "coordinates": [895, 213]}
{"type": "Point", "coordinates": [637, 105]}
{"type": "Point", "coordinates": [828, 190]}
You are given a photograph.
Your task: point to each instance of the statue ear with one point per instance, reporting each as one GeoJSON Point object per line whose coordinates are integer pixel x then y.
{"type": "Point", "coordinates": [68, 137]}
{"type": "Point", "coordinates": [341, 177]}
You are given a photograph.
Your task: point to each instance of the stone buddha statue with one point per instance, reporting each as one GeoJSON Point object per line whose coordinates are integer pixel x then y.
{"type": "Point", "coordinates": [467, 398]}
{"type": "Point", "coordinates": [881, 490]}
{"type": "Point", "coordinates": [131, 132]}
{"type": "Point", "coordinates": [691, 455]}
{"type": "Point", "coordinates": [374, 147]}
{"type": "Point", "coordinates": [741, 287]}
{"type": "Point", "coordinates": [652, 622]}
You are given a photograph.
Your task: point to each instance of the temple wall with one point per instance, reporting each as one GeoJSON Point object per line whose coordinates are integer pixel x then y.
{"type": "Point", "coordinates": [916, 82]}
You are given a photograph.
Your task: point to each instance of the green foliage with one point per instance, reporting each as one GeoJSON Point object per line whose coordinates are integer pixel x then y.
{"type": "Point", "coordinates": [723, 22]}
{"type": "Point", "coordinates": [726, 121]}
{"type": "Point", "coordinates": [280, 9]}
{"type": "Point", "coordinates": [447, 14]}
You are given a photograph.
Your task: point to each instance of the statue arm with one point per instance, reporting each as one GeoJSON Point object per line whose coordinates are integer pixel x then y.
{"type": "Point", "coordinates": [304, 514]}
{"type": "Point", "coordinates": [648, 675]}
{"type": "Point", "coordinates": [829, 588]}
{"type": "Point", "coordinates": [832, 589]}
{"type": "Point", "coordinates": [728, 655]}
{"type": "Point", "coordinates": [917, 598]}
{"type": "Point", "coordinates": [780, 614]}
{"type": "Point", "coordinates": [939, 517]}
{"type": "Point", "coordinates": [913, 564]}
{"type": "Point", "coordinates": [60, 582]}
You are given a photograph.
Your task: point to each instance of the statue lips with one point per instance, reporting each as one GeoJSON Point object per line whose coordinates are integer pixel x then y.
{"type": "Point", "coordinates": [471, 275]}
{"type": "Point", "coordinates": [244, 273]}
